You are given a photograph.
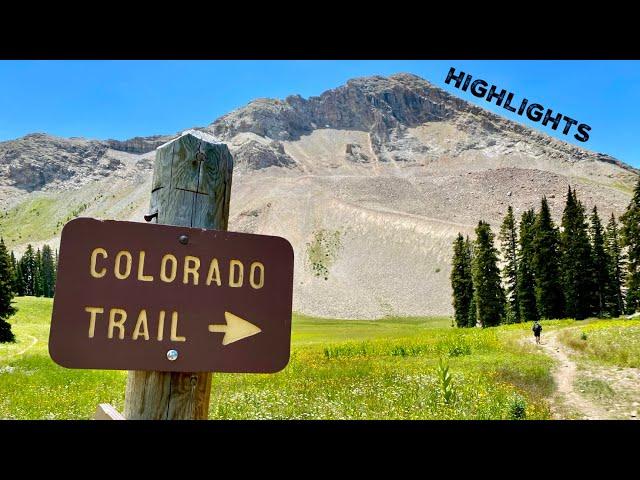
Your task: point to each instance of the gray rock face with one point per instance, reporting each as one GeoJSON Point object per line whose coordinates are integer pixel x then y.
{"type": "Point", "coordinates": [37, 161]}
{"type": "Point", "coordinates": [382, 106]}
{"type": "Point", "coordinates": [387, 108]}
{"type": "Point", "coordinates": [255, 155]}
{"type": "Point", "coordinates": [33, 161]}
{"type": "Point", "coordinates": [139, 145]}
{"type": "Point", "coordinates": [377, 104]}
{"type": "Point", "coordinates": [354, 153]}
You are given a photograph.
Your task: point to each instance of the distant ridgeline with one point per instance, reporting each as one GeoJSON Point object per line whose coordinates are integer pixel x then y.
{"type": "Point", "coordinates": [35, 273]}
{"type": "Point", "coordinates": [533, 111]}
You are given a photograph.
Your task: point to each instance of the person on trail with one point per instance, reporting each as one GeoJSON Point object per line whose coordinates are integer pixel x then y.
{"type": "Point", "coordinates": [537, 328]}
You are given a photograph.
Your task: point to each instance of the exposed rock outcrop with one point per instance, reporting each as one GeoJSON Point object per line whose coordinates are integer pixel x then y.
{"type": "Point", "coordinates": [35, 160]}
{"type": "Point", "coordinates": [388, 108]}
{"type": "Point", "coordinates": [256, 153]}
{"type": "Point", "coordinates": [139, 145]}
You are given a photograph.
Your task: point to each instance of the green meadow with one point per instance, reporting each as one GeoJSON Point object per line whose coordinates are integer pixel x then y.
{"type": "Point", "coordinates": [392, 368]}
{"type": "Point", "coordinates": [607, 342]}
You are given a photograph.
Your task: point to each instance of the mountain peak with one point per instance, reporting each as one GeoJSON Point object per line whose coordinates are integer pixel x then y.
{"type": "Point", "coordinates": [403, 118]}
{"type": "Point", "coordinates": [374, 103]}
{"type": "Point", "coordinates": [405, 78]}
{"type": "Point", "coordinates": [387, 108]}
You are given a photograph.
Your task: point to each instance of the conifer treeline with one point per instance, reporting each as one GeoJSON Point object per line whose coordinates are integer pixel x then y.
{"type": "Point", "coordinates": [35, 272]}
{"type": "Point", "coordinates": [6, 295]}
{"type": "Point", "coordinates": [580, 269]}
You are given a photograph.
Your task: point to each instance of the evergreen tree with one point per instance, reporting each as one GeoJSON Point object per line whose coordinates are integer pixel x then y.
{"type": "Point", "coordinates": [19, 286]}
{"type": "Point", "coordinates": [488, 294]}
{"type": "Point", "coordinates": [546, 265]}
{"type": "Point", "coordinates": [576, 263]}
{"type": "Point", "coordinates": [472, 319]}
{"type": "Point", "coordinates": [601, 263]}
{"type": "Point", "coordinates": [48, 272]}
{"type": "Point", "coordinates": [38, 284]}
{"type": "Point", "coordinates": [509, 247]}
{"type": "Point", "coordinates": [55, 270]}
{"type": "Point", "coordinates": [615, 299]}
{"type": "Point", "coordinates": [28, 271]}
{"type": "Point", "coordinates": [461, 281]}
{"type": "Point", "coordinates": [14, 273]}
{"type": "Point", "coordinates": [630, 234]}
{"type": "Point", "coordinates": [526, 281]}
{"type": "Point", "coordinates": [6, 295]}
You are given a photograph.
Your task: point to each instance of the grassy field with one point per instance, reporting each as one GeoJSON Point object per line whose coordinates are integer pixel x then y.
{"type": "Point", "coordinates": [610, 342]}
{"type": "Point", "coordinates": [339, 369]}
{"type": "Point", "coordinates": [42, 216]}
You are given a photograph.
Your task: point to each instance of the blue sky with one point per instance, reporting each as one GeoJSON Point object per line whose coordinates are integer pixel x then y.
{"type": "Point", "coordinates": [122, 99]}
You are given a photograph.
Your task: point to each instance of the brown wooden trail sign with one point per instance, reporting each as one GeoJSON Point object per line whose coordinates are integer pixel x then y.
{"type": "Point", "coordinates": [166, 298]}
{"type": "Point", "coordinates": [191, 187]}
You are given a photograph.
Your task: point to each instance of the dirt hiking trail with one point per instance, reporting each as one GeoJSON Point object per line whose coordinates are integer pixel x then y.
{"type": "Point", "coordinates": [588, 391]}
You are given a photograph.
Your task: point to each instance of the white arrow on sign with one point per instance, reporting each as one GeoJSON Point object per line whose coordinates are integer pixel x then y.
{"type": "Point", "coordinates": [236, 329]}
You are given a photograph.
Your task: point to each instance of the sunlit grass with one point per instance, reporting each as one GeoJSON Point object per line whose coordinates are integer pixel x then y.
{"type": "Point", "coordinates": [339, 369]}
{"type": "Point", "coordinates": [613, 342]}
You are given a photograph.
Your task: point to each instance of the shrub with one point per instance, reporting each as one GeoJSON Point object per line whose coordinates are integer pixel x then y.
{"type": "Point", "coordinates": [322, 251]}
{"type": "Point", "coordinates": [518, 408]}
{"type": "Point", "coordinates": [409, 350]}
{"type": "Point", "coordinates": [454, 346]}
{"type": "Point", "coordinates": [457, 349]}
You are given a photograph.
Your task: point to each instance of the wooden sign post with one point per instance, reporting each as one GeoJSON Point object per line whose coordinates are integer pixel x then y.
{"type": "Point", "coordinates": [171, 301]}
{"type": "Point", "coordinates": [191, 187]}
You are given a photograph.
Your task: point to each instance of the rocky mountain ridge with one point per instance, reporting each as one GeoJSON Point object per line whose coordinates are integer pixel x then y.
{"type": "Point", "coordinates": [370, 182]}
{"type": "Point", "coordinates": [386, 108]}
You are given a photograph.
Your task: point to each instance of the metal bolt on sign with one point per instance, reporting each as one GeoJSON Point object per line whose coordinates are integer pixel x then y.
{"type": "Point", "coordinates": [172, 355]}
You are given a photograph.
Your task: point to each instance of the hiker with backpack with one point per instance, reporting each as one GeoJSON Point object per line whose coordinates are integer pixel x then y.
{"type": "Point", "coordinates": [537, 328]}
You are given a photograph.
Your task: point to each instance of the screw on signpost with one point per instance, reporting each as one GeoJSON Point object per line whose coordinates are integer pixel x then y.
{"type": "Point", "coordinates": [191, 187]}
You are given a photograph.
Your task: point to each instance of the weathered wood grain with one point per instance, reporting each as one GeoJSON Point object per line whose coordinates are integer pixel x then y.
{"type": "Point", "coordinates": [191, 187]}
{"type": "Point", "coordinates": [106, 411]}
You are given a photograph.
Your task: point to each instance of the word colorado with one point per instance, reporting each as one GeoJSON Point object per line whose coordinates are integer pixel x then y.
{"type": "Point", "coordinates": [172, 268]}
{"type": "Point", "coordinates": [534, 111]}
